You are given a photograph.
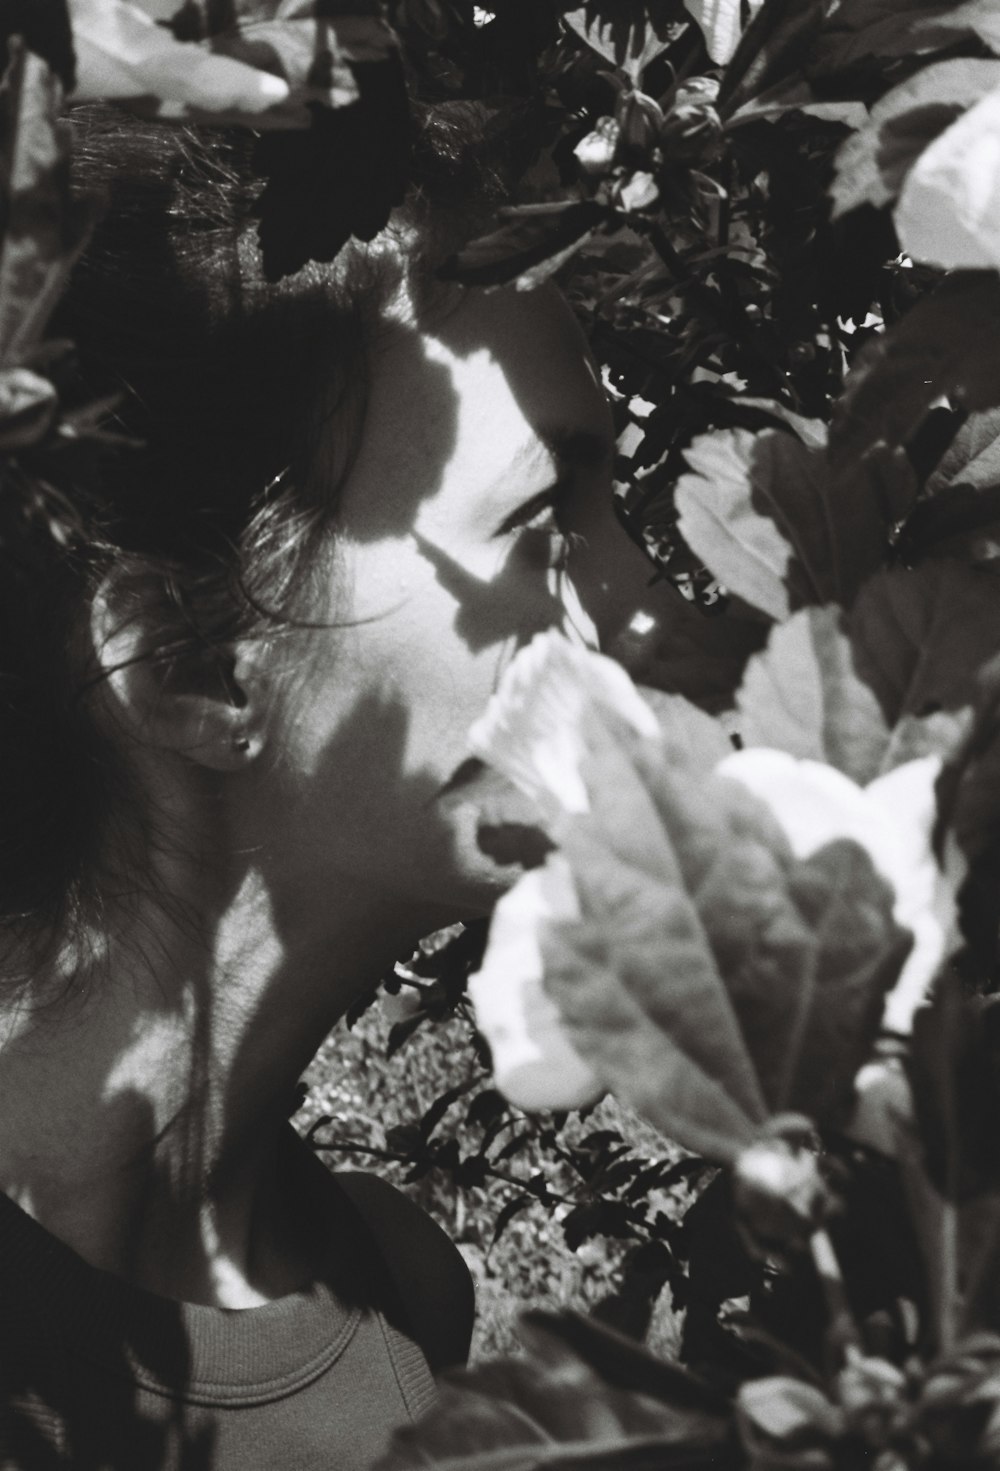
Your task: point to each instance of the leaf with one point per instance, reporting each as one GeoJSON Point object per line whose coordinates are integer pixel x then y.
{"type": "Point", "coordinates": [556, 1409]}
{"type": "Point", "coordinates": [250, 61]}
{"type": "Point", "coordinates": [721, 24]}
{"type": "Point", "coordinates": [920, 640]}
{"type": "Point", "coordinates": [948, 212]}
{"type": "Point", "coordinates": [865, 30]}
{"type": "Point", "coordinates": [954, 1070]}
{"type": "Point", "coordinates": [44, 27]}
{"type": "Point", "coordinates": [339, 178]}
{"type": "Point", "coordinates": [779, 527]}
{"type": "Point", "coordinates": [628, 41]}
{"type": "Point", "coordinates": [123, 54]}
{"type": "Point", "coordinates": [42, 230]}
{"type": "Point", "coordinates": [959, 514]}
{"type": "Point", "coordinates": [795, 94]}
{"type": "Point", "coordinates": [701, 658]}
{"type": "Point", "coordinates": [746, 551]}
{"type": "Point", "coordinates": [972, 460]}
{"type": "Point", "coordinates": [893, 680]}
{"type": "Point", "coordinates": [873, 163]}
{"type": "Point", "coordinates": [773, 47]}
{"type": "Point", "coordinates": [510, 1208]}
{"type": "Point", "coordinates": [533, 241]}
{"type": "Point", "coordinates": [711, 966]}
{"type": "Point", "coordinates": [975, 17]}
{"type": "Point", "coordinates": [803, 695]}
{"type": "Point", "coordinates": [946, 345]}
{"type": "Point", "coordinates": [782, 1408]}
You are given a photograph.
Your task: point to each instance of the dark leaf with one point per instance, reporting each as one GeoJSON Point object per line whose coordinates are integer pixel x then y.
{"type": "Point", "coordinates": [508, 1211]}
{"type": "Point", "coordinates": [486, 1108]}
{"type": "Point", "coordinates": [954, 1067]}
{"type": "Point", "coordinates": [621, 1363]}
{"type": "Point", "coordinates": [774, 46]}
{"type": "Point", "coordinates": [596, 1218]}
{"type": "Point", "coordinates": [532, 241]}
{"type": "Point", "coordinates": [701, 658]}
{"type": "Point", "coordinates": [946, 345]}
{"type": "Point", "coordinates": [44, 27]}
{"type": "Point", "coordinates": [341, 177]}
{"type": "Point", "coordinates": [972, 459]}
{"type": "Point", "coordinates": [872, 165]}
{"type": "Point", "coordinates": [920, 640]}
{"type": "Point", "coordinates": [779, 526]}
{"type": "Point", "coordinates": [556, 1410]}
{"type": "Point", "coordinates": [440, 1107]}
{"type": "Point", "coordinates": [42, 231]}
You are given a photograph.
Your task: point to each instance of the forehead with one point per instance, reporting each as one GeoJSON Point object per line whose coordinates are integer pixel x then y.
{"type": "Point", "coordinates": [498, 390]}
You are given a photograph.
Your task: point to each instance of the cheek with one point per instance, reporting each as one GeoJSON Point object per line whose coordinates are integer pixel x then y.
{"type": "Point", "coordinates": [390, 691]}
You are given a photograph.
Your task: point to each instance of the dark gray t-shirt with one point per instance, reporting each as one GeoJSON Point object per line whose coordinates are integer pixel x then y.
{"type": "Point", "coordinates": [96, 1373]}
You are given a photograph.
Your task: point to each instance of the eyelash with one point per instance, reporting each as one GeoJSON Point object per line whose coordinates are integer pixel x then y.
{"type": "Point", "coordinates": [538, 518]}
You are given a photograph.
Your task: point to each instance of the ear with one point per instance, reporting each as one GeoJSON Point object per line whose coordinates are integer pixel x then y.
{"type": "Point", "coordinates": [198, 701]}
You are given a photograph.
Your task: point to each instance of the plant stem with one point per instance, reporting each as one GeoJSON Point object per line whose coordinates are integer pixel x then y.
{"type": "Point", "coordinates": [843, 1329]}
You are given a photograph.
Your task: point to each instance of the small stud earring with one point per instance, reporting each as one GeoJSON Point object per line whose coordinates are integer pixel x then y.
{"type": "Point", "coordinates": [241, 743]}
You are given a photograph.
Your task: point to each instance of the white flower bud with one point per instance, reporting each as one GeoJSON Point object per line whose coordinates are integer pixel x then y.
{"type": "Point", "coordinates": [596, 152]}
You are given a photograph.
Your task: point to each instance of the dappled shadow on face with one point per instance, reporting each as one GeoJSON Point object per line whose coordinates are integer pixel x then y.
{"type": "Point", "coordinates": [549, 374]}
{"type": "Point", "coordinates": [408, 438]}
{"type": "Point", "coordinates": [490, 611]}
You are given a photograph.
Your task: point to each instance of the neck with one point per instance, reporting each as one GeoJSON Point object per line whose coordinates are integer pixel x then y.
{"type": "Point", "coordinates": [142, 1107]}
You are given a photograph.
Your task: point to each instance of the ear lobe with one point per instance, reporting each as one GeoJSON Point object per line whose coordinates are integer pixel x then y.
{"type": "Point", "coordinates": [188, 701]}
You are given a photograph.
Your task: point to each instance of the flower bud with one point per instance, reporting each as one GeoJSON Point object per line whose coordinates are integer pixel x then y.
{"type": "Point", "coordinates": [596, 152]}
{"type": "Point", "coordinates": [639, 192]}
{"type": "Point", "coordinates": [779, 1193]}
{"type": "Point", "coordinates": [27, 408]}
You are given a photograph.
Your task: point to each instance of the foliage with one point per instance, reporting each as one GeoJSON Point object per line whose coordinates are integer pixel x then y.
{"type": "Point", "coordinates": [771, 951]}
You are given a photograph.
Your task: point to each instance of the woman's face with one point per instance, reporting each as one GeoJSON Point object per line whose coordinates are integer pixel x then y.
{"type": "Point", "coordinates": [476, 513]}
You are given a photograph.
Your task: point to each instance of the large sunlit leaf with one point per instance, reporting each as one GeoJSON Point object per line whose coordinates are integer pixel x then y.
{"type": "Point", "coordinates": [780, 527]}
{"type": "Point", "coordinates": [713, 967]}
{"type": "Point", "coordinates": [253, 61]}
{"type": "Point", "coordinates": [945, 346]}
{"type": "Point", "coordinates": [42, 230]}
{"type": "Point", "coordinates": [719, 946]}
{"type": "Point", "coordinates": [584, 1397]}
{"type": "Point", "coordinates": [873, 163]}
{"type": "Point", "coordinates": [948, 212]}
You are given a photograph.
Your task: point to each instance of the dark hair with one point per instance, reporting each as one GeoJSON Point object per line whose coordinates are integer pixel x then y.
{"type": "Point", "coordinates": [247, 399]}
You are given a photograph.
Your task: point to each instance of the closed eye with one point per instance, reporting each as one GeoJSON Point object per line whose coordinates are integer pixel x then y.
{"type": "Point", "coordinates": [536, 513]}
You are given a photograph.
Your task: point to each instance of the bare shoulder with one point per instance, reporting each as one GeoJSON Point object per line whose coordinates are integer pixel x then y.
{"type": "Point", "coordinates": [427, 1268]}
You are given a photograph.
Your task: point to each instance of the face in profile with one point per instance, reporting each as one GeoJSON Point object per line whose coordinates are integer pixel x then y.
{"type": "Point", "coordinates": [477, 513]}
